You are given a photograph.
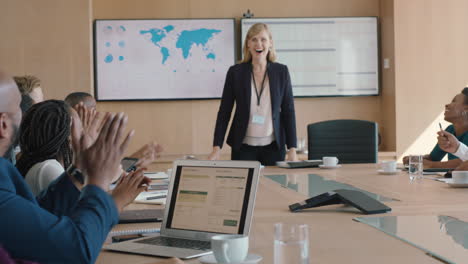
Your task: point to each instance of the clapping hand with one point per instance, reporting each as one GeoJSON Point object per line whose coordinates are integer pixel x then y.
{"type": "Point", "coordinates": [101, 160]}
{"type": "Point", "coordinates": [128, 187]}
{"type": "Point", "coordinates": [90, 120]}
{"type": "Point", "coordinates": [147, 154]}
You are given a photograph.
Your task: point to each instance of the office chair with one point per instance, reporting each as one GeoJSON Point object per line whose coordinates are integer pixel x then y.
{"type": "Point", "coordinates": [351, 141]}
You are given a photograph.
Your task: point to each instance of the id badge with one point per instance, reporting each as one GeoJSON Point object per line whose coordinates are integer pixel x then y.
{"type": "Point", "coordinates": [258, 119]}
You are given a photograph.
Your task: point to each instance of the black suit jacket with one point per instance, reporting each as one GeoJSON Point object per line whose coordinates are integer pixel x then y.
{"type": "Point", "coordinates": [237, 89]}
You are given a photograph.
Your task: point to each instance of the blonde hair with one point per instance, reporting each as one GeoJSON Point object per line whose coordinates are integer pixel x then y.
{"type": "Point", "coordinates": [254, 30]}
{"type": "Point", "coordinates": [26, 84]}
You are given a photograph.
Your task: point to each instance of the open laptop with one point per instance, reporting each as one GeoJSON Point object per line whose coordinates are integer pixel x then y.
{"type": "Point", "coordinates": [205, 198]}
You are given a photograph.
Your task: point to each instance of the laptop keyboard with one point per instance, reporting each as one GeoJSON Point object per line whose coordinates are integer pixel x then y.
{"type": "Point", "coordinates": [176, 242]}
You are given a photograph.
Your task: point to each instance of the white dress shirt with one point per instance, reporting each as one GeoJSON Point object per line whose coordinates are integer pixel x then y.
{"type": "Point", "coordinates": [462, 152]}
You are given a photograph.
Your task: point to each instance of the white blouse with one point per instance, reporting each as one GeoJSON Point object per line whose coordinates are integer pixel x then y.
{"type": "Point", "coordinates": [42, 174]}
{"type": "Point", "coordinates": [260, 133]}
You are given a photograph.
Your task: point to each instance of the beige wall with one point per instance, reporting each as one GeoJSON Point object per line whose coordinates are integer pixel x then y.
{"type": "Point", "coordinates": [431, 67]}
{"type": "Point", "coordinates": [187, 126]}
{"type": "Point", "coordinates": [51, 39]}
{"type": "Point", "coordinates": [387, 98]}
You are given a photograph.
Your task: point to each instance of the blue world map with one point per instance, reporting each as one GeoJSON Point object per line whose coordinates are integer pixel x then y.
{"type": "Point", "coordinates": [185, 41]}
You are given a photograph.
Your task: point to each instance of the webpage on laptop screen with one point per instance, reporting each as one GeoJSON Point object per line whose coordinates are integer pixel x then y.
{"type": "Point", "coordinates": [210, 199]}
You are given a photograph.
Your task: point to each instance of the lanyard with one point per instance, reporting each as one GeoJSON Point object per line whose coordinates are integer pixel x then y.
{"type": "Point", "coordinates": [262, 88]}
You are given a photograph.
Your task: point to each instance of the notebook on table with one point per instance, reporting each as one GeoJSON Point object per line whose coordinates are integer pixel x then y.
{"type": "Point", "coordinates": [152, 197]}
{"type": "Point", "coordinates": [205, 198]}
{"type": "Point", "coordinates": [141, 216]}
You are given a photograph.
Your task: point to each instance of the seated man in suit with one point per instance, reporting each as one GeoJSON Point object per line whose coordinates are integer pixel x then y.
{"type": "Point", "coordinates": [31, 86]}
{"type": "Point", "coordinates": [85, 106]}
{"type": "Point", "coordinates": [30, 232]}
{"type": "Point", "coordinates": [76, 98]}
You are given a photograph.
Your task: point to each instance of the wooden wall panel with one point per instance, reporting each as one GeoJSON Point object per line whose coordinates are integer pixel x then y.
{"type": "Point", "coordinates": [431, 68]}
{"type": "Point", "coordinates": [186, 127]}
{"type": "Point", "coordinates": [52, 39]}
{"type": "Point", "coordinates": [49, 39]}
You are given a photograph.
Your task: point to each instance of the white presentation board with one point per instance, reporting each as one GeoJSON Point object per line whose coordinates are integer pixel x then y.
{"type": "Point", "coordinates": [162, 59]}
{"type": "Point", "coordinates": [332, 56]}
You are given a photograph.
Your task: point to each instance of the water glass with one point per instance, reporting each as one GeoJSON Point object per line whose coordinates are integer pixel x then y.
{"type": "Point", "coordinates": [301, 145]}
{"type": "Point", "coordinates": [415, 168]}
{"type": "Point", "coordinates": [291, 244]}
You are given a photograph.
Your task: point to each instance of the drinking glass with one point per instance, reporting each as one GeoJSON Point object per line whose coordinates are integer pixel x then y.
{"type": "Point", "coordinates": [301, 145]}
{"type": "Point", "coordinates": [291, 244]}
{"type": "Point", "coordinates": [415, 168]}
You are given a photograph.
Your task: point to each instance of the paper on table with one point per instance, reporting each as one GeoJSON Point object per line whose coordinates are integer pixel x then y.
{"type": "Point", "coordinates": [156, 175]}
{"type": "Point", "coordinates": [143, 197]}
{"type": "Point", "coordinates": [444, 180]}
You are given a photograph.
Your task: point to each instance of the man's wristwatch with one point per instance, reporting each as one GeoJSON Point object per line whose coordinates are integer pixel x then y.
{"type": "Point", "coordinates": [76, 173]}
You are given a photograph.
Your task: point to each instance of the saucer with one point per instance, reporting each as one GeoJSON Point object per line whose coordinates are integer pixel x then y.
{"type": "Point", "coordinates": [282, 164]}
{"type": "Point", "coordinates": [251, 259]}
{"type": "Point", "coordinates": [456, 185]}
{"type": "Point", "coordinates": [388, 172]}
{"type": "Point", "coordinates": [330, 167]}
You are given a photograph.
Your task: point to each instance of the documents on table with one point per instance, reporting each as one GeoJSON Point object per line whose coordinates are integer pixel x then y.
{"type": "Point", "coordinates": [152, 197]}
{"type": "Point", "coordinates": [156, 175]}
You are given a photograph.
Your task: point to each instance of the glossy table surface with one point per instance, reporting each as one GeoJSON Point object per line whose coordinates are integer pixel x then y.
{"type": "Point", "coordinates": [442, 236]}
{"type": "Point", "coordinates": [334, 236]}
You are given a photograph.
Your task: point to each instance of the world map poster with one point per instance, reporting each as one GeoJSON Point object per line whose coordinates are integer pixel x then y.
{"type": "Point", "coordinates": [162, 59]}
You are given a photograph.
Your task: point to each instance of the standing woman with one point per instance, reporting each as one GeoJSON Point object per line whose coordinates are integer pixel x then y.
{"type": "Point", "coordinates": [264, 120]}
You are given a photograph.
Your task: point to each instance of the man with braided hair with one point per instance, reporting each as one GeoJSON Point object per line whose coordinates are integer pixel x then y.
{"type": "Point", "coordinates": [76, 98]}
{"type": "Point", "coordinates": [85, 105]}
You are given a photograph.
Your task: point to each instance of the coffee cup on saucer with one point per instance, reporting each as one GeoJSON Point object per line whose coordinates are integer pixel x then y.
{"type": "Point", "coordinates": [460, 177]}
{"type": "Point", "coordinates": [330, 161]}
{"type": "Point", "coordinates": [388, 166]}
{"type": "Point", "coordinates": [230, 248]}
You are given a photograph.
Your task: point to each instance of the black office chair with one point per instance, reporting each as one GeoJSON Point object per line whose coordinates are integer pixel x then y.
{"type": "Point", "coordinates": [351, 141]}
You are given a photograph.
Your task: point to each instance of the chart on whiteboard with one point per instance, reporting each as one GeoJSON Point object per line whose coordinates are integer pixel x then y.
{"type": "Point", "coordinates": [326, 56]}
{"type": "Point", "coordinates": [162, 59]}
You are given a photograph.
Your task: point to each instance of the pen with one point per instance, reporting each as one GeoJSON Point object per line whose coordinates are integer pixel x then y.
{"type": "Point", "coordinates": [156, 197]}
{"type": "Point", "coordinates": [442, 130]}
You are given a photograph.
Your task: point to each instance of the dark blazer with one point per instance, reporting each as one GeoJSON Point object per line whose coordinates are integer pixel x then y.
{"type": "Point", "coordinates": [237, 89]}
{"type": "Point", "coordinates": [63, 235]}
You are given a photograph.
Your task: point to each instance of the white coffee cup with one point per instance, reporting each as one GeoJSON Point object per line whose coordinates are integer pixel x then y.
{"type": "Point", "coordinates": [330, 161]}
{"type": "Point", "coordinates": [230, 248]}
{"type": "Point", "coordinates": [460, 176]}
{"type": "Point", "coordinates": [388, 165]}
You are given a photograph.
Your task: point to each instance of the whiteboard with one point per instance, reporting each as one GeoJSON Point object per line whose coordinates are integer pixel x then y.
{"type": "Point", "coordinates": [162, 59]}
{"type": "Point", "coordinates": [332, 56]}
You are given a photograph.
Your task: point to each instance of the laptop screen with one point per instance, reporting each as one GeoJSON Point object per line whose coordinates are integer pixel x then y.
{"type": "Point", "coordinates": [210, 199]}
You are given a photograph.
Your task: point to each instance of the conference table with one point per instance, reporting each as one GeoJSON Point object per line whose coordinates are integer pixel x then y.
{"type": "Point", "coordinates": [334, 237]}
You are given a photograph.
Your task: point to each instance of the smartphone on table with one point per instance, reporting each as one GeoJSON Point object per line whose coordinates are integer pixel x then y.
{"type": "Point", "coordinates": [128, 164]}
